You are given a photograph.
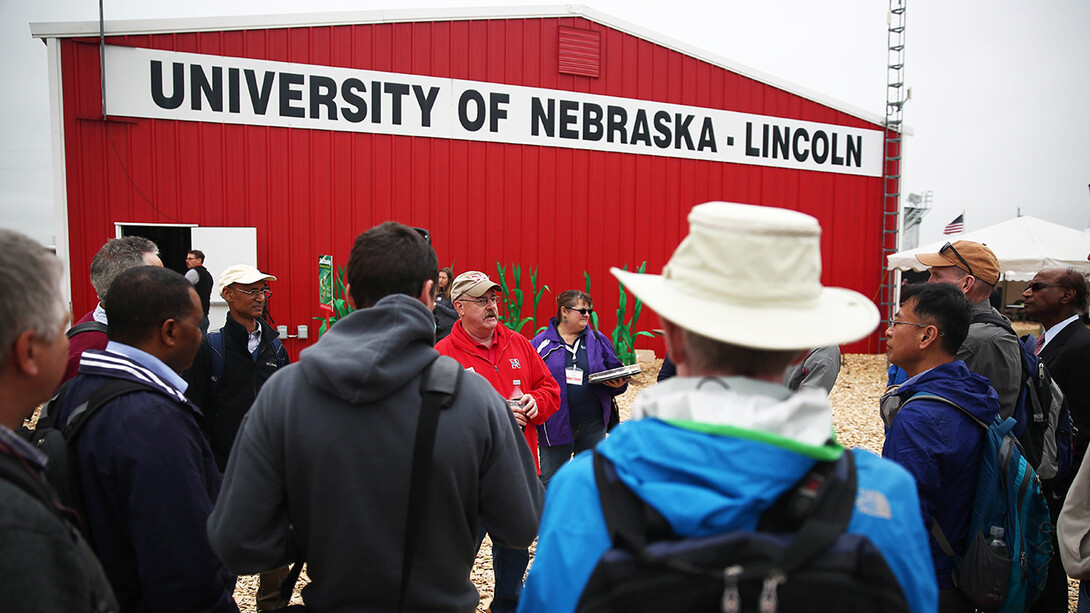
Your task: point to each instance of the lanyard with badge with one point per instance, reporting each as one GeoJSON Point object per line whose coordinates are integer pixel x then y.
{"type": "Point", "coordinates": [573, 374]}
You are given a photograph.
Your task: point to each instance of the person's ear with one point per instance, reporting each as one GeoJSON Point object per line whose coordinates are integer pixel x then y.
{"type": "Point", "coordinates": [675, 344]}
{"type": "Point", "coordinates": [427, 294]}
{"type": "Point", "coordinates": [168, 332]}
{"type": "Point", "coordinates": [929, 337]}
{"type": "Point", "coordinates": [348, 296]}
{"type": "Point", "coordinates": [24, 354]}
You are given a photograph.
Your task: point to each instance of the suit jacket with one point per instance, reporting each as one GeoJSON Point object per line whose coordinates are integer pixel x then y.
{"type": "Point", "coordinates": [1067, 357]}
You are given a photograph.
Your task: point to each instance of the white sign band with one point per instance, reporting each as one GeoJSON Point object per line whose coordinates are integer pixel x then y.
{"type": "Point", "coordinates": [196, 87]}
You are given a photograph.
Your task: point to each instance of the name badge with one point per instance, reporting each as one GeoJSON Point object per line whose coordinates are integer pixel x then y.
{"type": "Point", "coordinates": [574, 376]}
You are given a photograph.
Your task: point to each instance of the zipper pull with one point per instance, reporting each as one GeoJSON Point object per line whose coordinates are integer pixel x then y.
{"type": "Point", "coordinates": [769, 601]}
{"type": "Point", "coordinates": [732, 599]}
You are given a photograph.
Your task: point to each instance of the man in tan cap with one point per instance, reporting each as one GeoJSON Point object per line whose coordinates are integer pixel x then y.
{"type": "Point", "coordinates": [991, 349]}
{"type": "Point", "coordinates": [232, 365]}
{"type": "Point", "coordinates": [709, 451]}
{"type": "Point", "coordinates": [482, 345]}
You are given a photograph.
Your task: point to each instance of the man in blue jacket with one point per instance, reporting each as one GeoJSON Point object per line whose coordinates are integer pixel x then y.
{"type": "Point", "coordinates": [711, 449]}
{"type": "Point", "coordinates": [147, 474]}
{"type": "Point", "coordinates": [936, 442]}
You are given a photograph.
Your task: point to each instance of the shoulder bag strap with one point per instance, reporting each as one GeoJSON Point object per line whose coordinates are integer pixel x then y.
{"type": "Point", "coordinates": [438, 387]}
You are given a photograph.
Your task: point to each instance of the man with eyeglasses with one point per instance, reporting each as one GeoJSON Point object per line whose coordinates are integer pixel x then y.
{"type": "Point", "coordinates": [1055, 298]}
{"type": "Point", "coordinates": [201, 279]}
{"type": "Point", "coordinates": [232, 365]}
{"type": "Point", "coordinates": [501, 356]}
{"type": "Point", "coordinates": [934, 441]}
{"type": "Point", "coordinates": [991, 349]}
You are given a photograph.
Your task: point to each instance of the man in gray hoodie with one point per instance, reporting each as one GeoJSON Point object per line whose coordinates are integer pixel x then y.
{"type": "Point", "coordinates": [320, 471]}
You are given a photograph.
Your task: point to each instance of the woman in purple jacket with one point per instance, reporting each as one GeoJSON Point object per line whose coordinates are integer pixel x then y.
{"type": "Point", "coordinates": [572, 350]}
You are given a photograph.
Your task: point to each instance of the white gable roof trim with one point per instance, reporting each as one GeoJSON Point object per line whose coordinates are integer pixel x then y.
{"type": "Point", "coordinates": [309, 20]}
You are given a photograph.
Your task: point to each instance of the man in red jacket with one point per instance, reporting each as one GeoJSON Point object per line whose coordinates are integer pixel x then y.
{"type": "Point", "coordinates": [502, 356]}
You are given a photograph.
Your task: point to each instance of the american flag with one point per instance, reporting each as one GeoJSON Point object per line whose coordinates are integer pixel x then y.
{"type": "Point", "coordinates": [957, 226]}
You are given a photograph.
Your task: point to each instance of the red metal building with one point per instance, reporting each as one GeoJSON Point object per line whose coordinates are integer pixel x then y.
{"type": "Point", "coordinates": [560, 139]}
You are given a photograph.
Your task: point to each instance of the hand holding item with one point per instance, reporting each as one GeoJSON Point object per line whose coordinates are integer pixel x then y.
{"type": "Point", "coordinates": [616, 382]}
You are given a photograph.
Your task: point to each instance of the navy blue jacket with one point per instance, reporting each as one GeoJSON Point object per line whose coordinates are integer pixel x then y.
{"type": "Point", "coordinates": [600, 356]}
{"type": "Point", "coordinates": [941, 447]}
{"type": "Point", "coordinates": [148, 481]}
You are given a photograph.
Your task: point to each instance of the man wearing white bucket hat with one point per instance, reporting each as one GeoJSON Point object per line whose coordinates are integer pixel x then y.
{"type": "Point", "coordinates": [712, 449]}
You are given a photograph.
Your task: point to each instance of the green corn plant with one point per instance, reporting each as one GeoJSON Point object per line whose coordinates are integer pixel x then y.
{"type": "Point", "coordinates": [593, 314]}
{"type": "Point", "coordinates": [340, 303]}
{"type": "Point", "coordinates": [625, 334]}
{"type": "Point", "coordinates": [512, 298]}
{"type": "Point", "coordinates": [538, 293]}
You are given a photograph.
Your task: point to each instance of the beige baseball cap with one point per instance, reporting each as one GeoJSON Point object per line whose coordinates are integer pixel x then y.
{"type": "Point", "coordinates": [472, 284]}
{"type": "Point", "coordinates": [244, 274]}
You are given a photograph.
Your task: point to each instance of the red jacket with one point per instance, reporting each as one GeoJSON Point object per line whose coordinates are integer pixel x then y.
{"type": "Point", "coordinates": [516, 359]}
{"type": "Point", "coordinates": [80, 343]}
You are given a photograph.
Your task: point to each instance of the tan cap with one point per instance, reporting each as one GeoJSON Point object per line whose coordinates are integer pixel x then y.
{"type": "Point", "coordinates": [472, 284]}
{"type": "Point", "coordinates": [974, 258]}
{"type": "Point", "coordinates": [244, 274]}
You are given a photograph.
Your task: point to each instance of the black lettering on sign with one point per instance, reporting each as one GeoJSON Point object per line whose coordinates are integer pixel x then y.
{"type": "Point", "coordinates": [474, 97]}
{"type": "Point", "coordinates": [259, 98]}
{"type": "Point", "coordinates": [233, 103]}
{"type": "Point", "coordinates": [350, 91]}
{"type": "Point", "coordinates": [177, 92]}
{"type": "Point", "coordinates": [376, 101]}
{"type": "Point", "coordinates": [855, 151]}
{"type": "Point", "coordinates": [397, 91]}
{"type": "Point", "coordinates": [837, 160]}
{"type": "Point", "coordinates": [822, 139]}
{"type": "Point", "coordinates": [781, 137]}
{"type": "Point", "coordinates": [496, 112]}
{"type": "Point", "coordinates": [616, 118]}
{"type": "Point", "coordinates": [681, 127]}
{"type": "Point", "coordinates": [751, 151]}
{"type": "Point", "coordinates": [801, 153]}
{"type": "Point", "coordinates": [640, 130]}
{"type": "Point", "coordinates": [662, 126]}
{"type": "Point", "coordinates": [592, 122]}
{"type": "Point", "coordinates": [200, 86]}
{"type": "Point", "coordinates": [707, 136]}
{"type": "Point", "coordinates": [287, 94]}
{"type": "Point", "coordinates": [542, 117]}
{"type": "Point", "coordinates": [426, 103]}
{"type": "Point", "coordinates": [323, 92]}
{"type": "Point", "coordinates": [569, 119]}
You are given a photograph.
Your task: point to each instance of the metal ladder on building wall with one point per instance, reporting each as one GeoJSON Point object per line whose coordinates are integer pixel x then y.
{"type": "Point", "coordinates": [891, 169]}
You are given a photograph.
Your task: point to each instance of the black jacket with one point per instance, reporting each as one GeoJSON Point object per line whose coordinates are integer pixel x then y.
{"type": "Point", "coordinates": [204, 287]}
{"type": "Point", "coordinates": [242, 378]}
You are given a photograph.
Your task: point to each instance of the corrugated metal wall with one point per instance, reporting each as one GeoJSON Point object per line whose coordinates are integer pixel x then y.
{"type": "Point", "coordinates": [311, 192]}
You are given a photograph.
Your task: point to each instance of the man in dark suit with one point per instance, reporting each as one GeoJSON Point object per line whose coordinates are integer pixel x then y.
{"type": "Point", "coordinates": [1056, 297]}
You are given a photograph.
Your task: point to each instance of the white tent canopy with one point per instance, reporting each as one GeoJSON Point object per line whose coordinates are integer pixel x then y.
{"type": "Point", "coordinates": [1023, 245]}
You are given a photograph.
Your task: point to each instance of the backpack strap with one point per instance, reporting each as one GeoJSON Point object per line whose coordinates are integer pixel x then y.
{"type": "Point", "coordinates": [217, 354]}
{"type": "Point", "coordinates": [937, 398]}
{"type": "Point", "coordinates": [87, 326]}
{"type": "Point", "coordinates": [280, 353]}
{"type": "Point", "coordinates": [821, 505]}
{"type": "Point", "coordinates": [994, 318]}
{"type": "Point", "coordinates": [439, 386]}
{"type": "Point", "coordinates": [105, 393]}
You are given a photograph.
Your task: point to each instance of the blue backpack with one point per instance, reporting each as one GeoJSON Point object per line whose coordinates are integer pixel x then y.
{"type": "Point", "coordinates": [219, 355]}
{"type": "Point", "coordinates": [1042, 420]}
{"type": "Point", "coordinates": [1008, 495]}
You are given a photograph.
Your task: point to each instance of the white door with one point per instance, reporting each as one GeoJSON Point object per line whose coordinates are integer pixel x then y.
{"type": "Point", "coordinates": [223, 247]}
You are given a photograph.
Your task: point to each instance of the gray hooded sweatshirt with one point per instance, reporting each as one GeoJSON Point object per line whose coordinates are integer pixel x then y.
{"type": "Point", "coordinates": [320, 471]}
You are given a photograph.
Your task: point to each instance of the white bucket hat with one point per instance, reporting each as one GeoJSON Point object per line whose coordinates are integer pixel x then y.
{"type": "Point", "coordinates": [751, 276]}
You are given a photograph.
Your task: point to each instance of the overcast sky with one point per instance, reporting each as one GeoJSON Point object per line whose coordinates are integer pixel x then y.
{"type": "Point", "coordinates": [998, 109]}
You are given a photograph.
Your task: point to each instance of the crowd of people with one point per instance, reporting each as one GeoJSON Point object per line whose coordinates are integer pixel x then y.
{"type": "Point", "coordinates": [419, 424]}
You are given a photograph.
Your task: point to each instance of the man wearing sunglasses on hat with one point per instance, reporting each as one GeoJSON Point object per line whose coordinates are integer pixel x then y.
{"type": "Point", "coordinates": [1056, 297]}
{"type": "Point", "coordinates": [991, 349]}
{"type": "Point", "coordinates": [232, 365]}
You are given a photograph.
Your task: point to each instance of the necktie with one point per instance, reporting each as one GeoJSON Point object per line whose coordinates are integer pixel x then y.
{"type": "Point", "coordinates": [1040, 343]}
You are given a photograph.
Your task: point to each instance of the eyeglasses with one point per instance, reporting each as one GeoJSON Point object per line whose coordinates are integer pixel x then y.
{"type": "Point", "coordinates": [1037, 286]}
{"type": "Point", "coordinates": [581, 311]}
{"type": "Point", "coordinates": [894, 322]}
{"type": "Point", "coordinates": [481, 301]}
{"type": "Point", "coordinates": [950, 246]}
{"type": "Point", "coordinates": [252, 293]}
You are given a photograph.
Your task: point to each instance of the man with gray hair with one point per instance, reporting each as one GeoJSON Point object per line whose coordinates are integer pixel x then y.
{"type": "Point", "coordinates": [723, 446]}
{"type": "Point", "coordinates": [45, 565]}
{"type": "Point", "coordinates": [114, 258]}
